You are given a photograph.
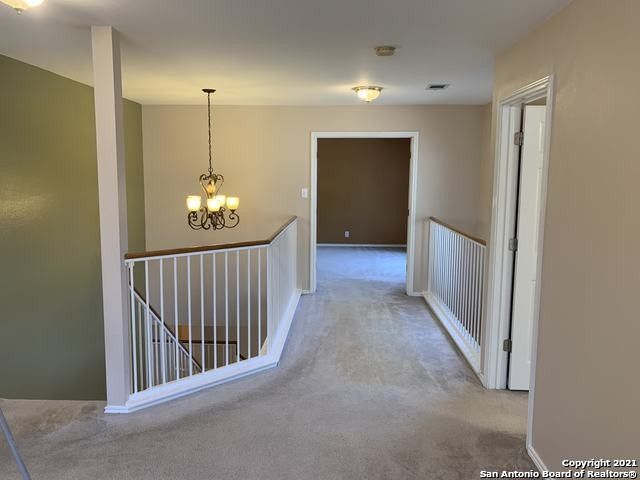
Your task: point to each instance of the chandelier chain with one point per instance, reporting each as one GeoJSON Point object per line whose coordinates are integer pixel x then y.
{"type": "Point", "coordinates": [209, 118]}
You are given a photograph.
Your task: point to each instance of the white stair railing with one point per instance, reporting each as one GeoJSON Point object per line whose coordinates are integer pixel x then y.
{"type": "Point", "coordinates": [204, 315]}
{"type": "Point", "coordinates": [455, 286]}
{"type": "Point", "coordinates": [158, 356]}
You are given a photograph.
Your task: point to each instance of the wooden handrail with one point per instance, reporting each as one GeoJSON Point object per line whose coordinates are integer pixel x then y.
{"type": "Point", "coordinates": [458, 231]}
{"type": "Point", "coordinates": [209, 248]}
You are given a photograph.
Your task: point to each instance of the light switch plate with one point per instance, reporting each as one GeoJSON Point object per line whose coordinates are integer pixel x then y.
{"type": "Point", "coordinates": [347, 234]}
{"type": "Point", "coordinates": [304, 193]}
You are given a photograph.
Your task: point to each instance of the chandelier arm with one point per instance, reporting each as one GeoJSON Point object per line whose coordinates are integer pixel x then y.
{"type": "Point", "coordinates": [192, 218]}
{"type": "Point", "coordinates": [206, 219]}
{"type": "Point", "coordinates": [234, 218]}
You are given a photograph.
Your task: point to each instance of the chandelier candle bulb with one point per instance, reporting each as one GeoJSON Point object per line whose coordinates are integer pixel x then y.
{"type": "Point", "coordinates": [232, 203]}
{"type": "Point", "coordinates": [194, 202]}
{"type": "Point", "coordinates": [213, 205]}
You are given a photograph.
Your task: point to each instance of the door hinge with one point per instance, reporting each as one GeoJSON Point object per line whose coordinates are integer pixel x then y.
{"type": "Point", "coordinates": [513, 244]}
{"type": "Point", "coordinates": [518, 138]}
{"type": "Point", "coordinates": [506, 345]}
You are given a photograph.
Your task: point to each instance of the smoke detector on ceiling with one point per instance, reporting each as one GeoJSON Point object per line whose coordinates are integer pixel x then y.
{"type": "Point", "coordinates": [385, 50]}
{"type": "Point", "coordinates": [437, 86]}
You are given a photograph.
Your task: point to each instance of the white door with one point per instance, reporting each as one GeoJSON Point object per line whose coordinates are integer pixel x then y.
{"type": "Point", "coordinates": [526, 259]}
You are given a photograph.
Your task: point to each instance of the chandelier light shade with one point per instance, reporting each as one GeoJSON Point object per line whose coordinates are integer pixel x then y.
{"type": "Point", "coordinates": [22, 5]}
{"type": "Point", "coordinates": [368, 93]}
{"type": "Point", "coordinates": [218, 211]}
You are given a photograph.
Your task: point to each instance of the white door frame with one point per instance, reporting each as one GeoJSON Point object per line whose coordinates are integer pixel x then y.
{"type": "Point", "coordinates": [413, 165]}
{"type": "Point", "coordinates": [502, 225]}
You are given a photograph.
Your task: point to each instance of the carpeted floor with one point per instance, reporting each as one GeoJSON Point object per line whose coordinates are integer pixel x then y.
{"type": "Point", "coordinates": [370, 387]}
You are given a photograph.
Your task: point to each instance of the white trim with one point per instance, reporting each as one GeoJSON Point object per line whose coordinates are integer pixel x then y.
{"type": "Point", "coordinates": [413, 182]}
{"type": "Point", "coordinates": [499, 280]}
{"type": "Point", "coordinates": [448, 320]}
{"type": "Point", "coordinates": [500, 265]}
{"type": "Point", "coordinates": [367, 245]}
{"type": "Point", "coordinates": [535, 458]}
{"type": "Point", "coordinates": [186, 386]}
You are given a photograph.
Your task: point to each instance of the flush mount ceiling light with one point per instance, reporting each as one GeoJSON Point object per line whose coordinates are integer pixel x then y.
{"type": "Point", "coordinates": [219, 211]}
{"type": "Point", "coordinates": [368, 93]}
{"type": "Point", "coordinates": [22, 5]}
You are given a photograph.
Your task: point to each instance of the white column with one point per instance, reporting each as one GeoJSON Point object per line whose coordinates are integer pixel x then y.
{"type": "Point", "coordinates": [113, 211]}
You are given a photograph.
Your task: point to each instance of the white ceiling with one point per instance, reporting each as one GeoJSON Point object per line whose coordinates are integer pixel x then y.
{"type": "Point", "coordinates": [280, 52]}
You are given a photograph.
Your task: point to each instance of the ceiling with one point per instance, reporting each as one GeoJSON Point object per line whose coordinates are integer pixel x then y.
{"type": "Point", "coordinates": [280, 52]}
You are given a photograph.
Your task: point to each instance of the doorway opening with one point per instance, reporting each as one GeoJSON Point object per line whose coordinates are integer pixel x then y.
{"type": "Point", "coordinates": [523, 131]}
{"type": "Point", "coordinates": [363, 188]}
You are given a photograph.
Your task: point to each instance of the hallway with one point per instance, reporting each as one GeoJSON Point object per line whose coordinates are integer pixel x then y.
{"type": "Point", "coordinates": [369, 387]}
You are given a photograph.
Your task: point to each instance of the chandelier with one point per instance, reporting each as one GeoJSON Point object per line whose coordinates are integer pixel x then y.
{"type": "Point", "coordinates": [218, 211]}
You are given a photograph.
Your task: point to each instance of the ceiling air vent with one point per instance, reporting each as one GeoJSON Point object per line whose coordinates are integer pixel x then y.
{"type": "Point", "coordinates": [437, 86]}
{"type": "Point", "coordinates": [385, 50]}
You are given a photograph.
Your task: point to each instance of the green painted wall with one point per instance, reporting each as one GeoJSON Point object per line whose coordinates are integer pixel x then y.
{"type": "Point", "coordinates": [51, 327]}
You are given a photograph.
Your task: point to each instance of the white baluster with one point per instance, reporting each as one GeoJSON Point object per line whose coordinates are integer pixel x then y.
{"type": "Point", "coordinates": [237, 305]}
{"type": "Point", "coordinates": [259, 301]}
{"type": "Point", "coordinates": [175, 314]}
{"type": "Point", "coordinates": [189, 315]}
{"type": "Point", "coordinates": [466, 290]}
{"type": "Point", "coordinates": [226, 308]}
{"type": "Point", "coordinates": [215, 314]}
{"type": "Point", "coordinates": [148, 326]}
{"type": "Point", "coordinates": [162, 319]}
{"type": "Point", "coordinates": [249, 304]}
{"type": "Point", "coordinates": [133, 329]}
{"type": "Point", "coordinates": [202, 313]}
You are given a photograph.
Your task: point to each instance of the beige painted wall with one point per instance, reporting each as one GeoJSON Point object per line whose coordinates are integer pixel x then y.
{"type": "Point", "coordinates": [587, 378]}
{"type": "Point", "coordinates": [264, 153]}
{"type": "Point", "coordinates": [486, 173]}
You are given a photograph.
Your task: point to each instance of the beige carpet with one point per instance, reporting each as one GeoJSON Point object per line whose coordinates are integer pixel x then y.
{"type": "Point", "coordinates": [369, 388]}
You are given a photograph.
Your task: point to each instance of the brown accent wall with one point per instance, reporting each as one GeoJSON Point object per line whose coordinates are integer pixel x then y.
{"type": "Point", "coordinates": [363, 187]}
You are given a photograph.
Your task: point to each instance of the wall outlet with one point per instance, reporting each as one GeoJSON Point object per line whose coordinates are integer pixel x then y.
{"type": "Point", "coordinates": [304, 193]}
{"type": "Point", "coordinates": [347, 234]}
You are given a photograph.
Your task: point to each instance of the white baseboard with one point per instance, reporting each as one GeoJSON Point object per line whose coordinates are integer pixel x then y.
{"type": "Point", "coordinates": [180, 388]}
{"type": "Point", "coordinates": [448, 321]}
{"type": "Point", "coordinates": [186, 386]}
{"type": "Point", "coordinates": [368, 245]}
{"type": "Point", "coordinates": [535, 458]}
